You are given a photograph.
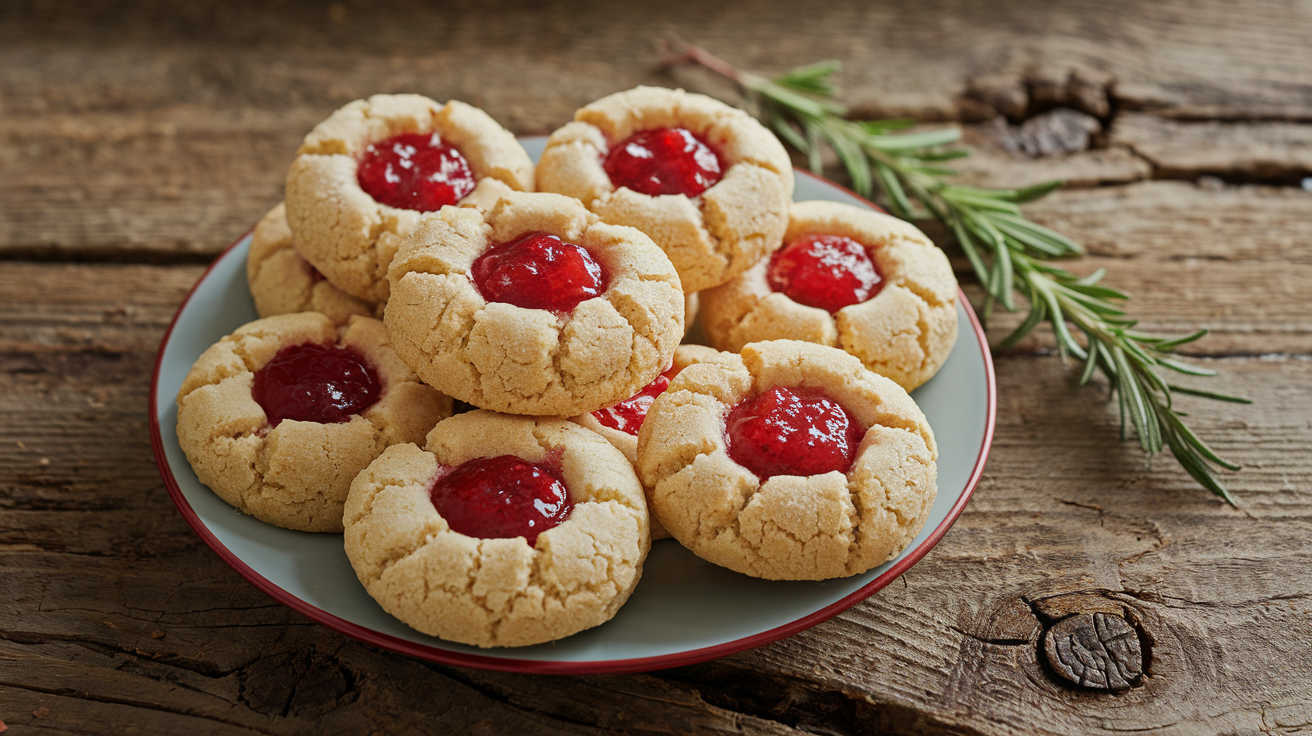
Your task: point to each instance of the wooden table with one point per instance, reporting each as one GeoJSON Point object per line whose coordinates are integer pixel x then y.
{"type": "Point", "coordinates": [137, 142]}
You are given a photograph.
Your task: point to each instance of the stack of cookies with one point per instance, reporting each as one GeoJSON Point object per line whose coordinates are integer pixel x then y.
{"type": "Point", "coordinates": [421, 266]}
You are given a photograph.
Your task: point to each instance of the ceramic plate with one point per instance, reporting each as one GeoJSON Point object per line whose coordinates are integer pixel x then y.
{"type": "Point", "coordinates": [685, 610]}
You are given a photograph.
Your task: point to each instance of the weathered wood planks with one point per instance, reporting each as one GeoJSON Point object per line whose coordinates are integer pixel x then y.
{"type": "Point", "coordinates": [142, 139]}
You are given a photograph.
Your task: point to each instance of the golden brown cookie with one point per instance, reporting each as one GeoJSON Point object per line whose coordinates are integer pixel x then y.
{"type": "Point", "coordinates": [490, 191]}
{"type": "Point", "coordinates": [710, 237]}
{"type": "Point", "coordinates": [282, 282]}
{"type": "Point", "coordinates": [498, 592]}
{"type": "Point", "coordinates": [499, 356]}
{"type": "Point", "coordinates": [789, 527]}
{"type": "Point", "coordinates": [346, 233]}
{"type": "Point", "coordinates": [904, 332]}
{"type": "Point", "coordinates": [619, 424]}
{"type": "Point", "coordinates": [296, 474]}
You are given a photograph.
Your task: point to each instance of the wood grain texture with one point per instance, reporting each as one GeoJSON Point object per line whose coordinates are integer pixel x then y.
{"type": "Point", "coordinates": [1220, 245]}
{"type": "Point", "coordinates": [74, 513]}
{"type": "Point", "coordinates": [1234, 150]}
{"type": "Point", "coordinates": [1182, 60]}
{"type": "Point", "coordinates": [119, 122]}
{"type": "Point", "coordinates": [107, 607]}
{"type": "Point", "coordinates": [138, 140]}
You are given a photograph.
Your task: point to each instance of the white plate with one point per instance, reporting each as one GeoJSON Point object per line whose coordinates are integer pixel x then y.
{"type": "Point", "coordinates": [685, 610]}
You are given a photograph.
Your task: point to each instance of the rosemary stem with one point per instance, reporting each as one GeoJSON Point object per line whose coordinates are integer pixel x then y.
{"type": "Point", "coordinates": [693, 54]}
{"type": "Point", "coordinates": [1008, 253]}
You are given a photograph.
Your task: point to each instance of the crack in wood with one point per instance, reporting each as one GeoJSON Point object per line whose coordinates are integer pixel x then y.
{"type": "Point", "coordinates": [145, 705]}
{"type": "Point", "coordinates": [805, 706]}
{"type": "Point", "coordinates": [1001, 641]}
{"type": "Point", "coordinates": [109, 253]}
{"type": "Point", "coordinates": [505, 695]}
{"type": "Point", "coordinates": [1217, 177]}
{"type": "Point", "coordinates": [309, 684]}
{"type": "Point", "coordinates": [1080, 504]}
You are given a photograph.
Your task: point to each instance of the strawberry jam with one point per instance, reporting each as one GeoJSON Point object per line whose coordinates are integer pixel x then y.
{"type": "Point", "coordinates": [664, 161]}
{"type": "Point", "coordinates": [792, 432]}
{"type": "Point", "coordinates": [628, 415]}
{"type": "Point", "coordinates": [312, 383]}
{"type": "Point", "coordinates": [502, 497]}
{"type": "Point", "coordinates": [415, 171]}
{"type": "Point", "coordinates": [825, 271]}
{"type": "Point", "coordinates": [539, 271]}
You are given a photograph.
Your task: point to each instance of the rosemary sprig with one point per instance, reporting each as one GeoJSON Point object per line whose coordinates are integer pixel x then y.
{"type": "Point", "coordinates": [1007, 252]}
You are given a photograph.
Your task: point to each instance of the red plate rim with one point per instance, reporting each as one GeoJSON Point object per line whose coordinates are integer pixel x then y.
{"type": "Point", "coordinates": [617, 666]}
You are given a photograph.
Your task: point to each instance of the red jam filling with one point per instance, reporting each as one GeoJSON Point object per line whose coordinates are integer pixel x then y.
{"type": "Point", "coordinates": [539, 271]}
{"type": "Point", "coordinates": [792, 432]}
{"type": "Point", "coordinates": [664, 161]}
{"type": "Point", "coordinates": [501, 498]}
{"type": "Point", "coordinates": [628, 415]}
{"type": "Point", "coordinates": [415, 171]}
{"type": "Point", "coordinates": [825, 271]}
{"type": "Point", "coordinates": [312, 383]}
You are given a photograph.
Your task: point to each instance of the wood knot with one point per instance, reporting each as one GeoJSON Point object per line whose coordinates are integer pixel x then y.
{"type": "Point", "coordinates": [307, 685]}
{"type": "Point", "coordinates": [1100, 651]}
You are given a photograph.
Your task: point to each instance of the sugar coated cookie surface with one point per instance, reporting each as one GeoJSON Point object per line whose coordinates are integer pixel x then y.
{"type": "Point", "coordinates": [498, 592]}
{"type": "Point", "coordinates": [790, 527]}
{"type": "Point", "coordinates": [620, 423]}
{"type": "Point", "coordinates": [710, 235]}
{"type": "Point", "coordinates": [349, 234]}
{"type": "Point", "coordinates": [905, 331]}
{"type": "Point", "coordinates": [290, 472]}
{"type": "Point", "coordinates": [464, 336]}
{"type": "Point", "coordinates": [282, 282]}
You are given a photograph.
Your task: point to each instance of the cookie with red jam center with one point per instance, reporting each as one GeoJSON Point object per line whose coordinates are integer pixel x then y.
{"type": "Point", "coordinates": [278, 417]}
{"type": "Point", "coordinates": [851, 278]}
{"type": "Point", "coordinates": [282, 282]}
{"type": "Point", "coordinates": [706, 181]}
{"type": "Point", "coordinates": [502, 497]}
{"type": "Point", "coordinates": [539, 271]}
{"type": "Point", "coordinates": [825, 271]}
{"type": "Point", "coordinates": [316, 383]}
{"type": "Point", "coordinates": [415, 171]}
{"type": "Point", "coordinates": [375, 169]}
{"type": "Point", "coordinates": [535, 306]}
{"type": "Point", "coordinates": [791, 461]}
{"type": "Point", "coordinates": [792, 431]}
{"type": "Point", "coordinates": [502, 531]}
{"type": "Point", "coordinates": [664, 161]}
